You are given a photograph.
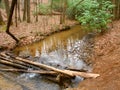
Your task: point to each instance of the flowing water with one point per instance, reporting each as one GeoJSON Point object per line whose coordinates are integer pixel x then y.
{"type": "Point", "coordinates": [60, 50]}
{"type": "Point", "coordinates": [53, 41]}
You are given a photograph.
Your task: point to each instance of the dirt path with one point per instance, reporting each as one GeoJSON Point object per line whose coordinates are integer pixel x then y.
{"type": "Point", "coordinates": [106, 62]}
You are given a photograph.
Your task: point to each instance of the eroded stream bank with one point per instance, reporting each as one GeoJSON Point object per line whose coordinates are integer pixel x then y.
{"type": "Point", "coordinates": [53, 41]}
{"type": "Point", "coordinates": [67, 49]}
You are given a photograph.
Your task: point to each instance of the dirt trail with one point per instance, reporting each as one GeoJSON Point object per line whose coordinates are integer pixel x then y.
{"type": "Point", "coordinates": [106, 62]}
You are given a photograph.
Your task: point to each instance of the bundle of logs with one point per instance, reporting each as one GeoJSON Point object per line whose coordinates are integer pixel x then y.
{"type": "Point", "coordinates": [22, 65]}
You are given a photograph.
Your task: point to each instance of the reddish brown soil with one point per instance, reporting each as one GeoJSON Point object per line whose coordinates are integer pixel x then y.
{"type": "Point", "coordinates": [106, 57]}
{"type": "Point", "coordinates": [28, 33]}
{"type": "Point", "coordinates": [106, 62]}
{"type": "Point", "coordinates": [31, 32]}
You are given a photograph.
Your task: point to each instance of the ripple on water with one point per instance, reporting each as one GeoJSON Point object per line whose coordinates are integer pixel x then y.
{"type": "Point", "coordinates": [69, 52]}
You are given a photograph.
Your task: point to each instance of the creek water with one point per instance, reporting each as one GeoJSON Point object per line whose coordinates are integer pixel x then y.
{"type": "Point", "coordinates": [56, 40]}
{"type": "Point", "coordinates": [61, 50]}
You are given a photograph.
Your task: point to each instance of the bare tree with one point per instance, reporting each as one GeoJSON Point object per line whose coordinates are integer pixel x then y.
{"type": "Point", "coordinates": [64, 10]}
{"type": "Point", "coordinates": [25, 9]}
{"type": "Point", "coordinates": [14, 2]}
{"type": "Point", "coordinates": [61, 16]}
{"type": "Point", "coordinates": [16, 14]}
{"type": "Point", "coordinates": [119, 9]}
{"type": "Point", "coordinates": [36, 9]}
{"type": "Point", "coordinates": [1, 19]}
{"type": "Point", "coordinates": [18, 6]}
{"type": "Point", "coordinates": [51, 6]}
{"type": "Point", "coordinates": [28, 11]}
{"type": "Point", "coordinates": [7, 7]}
{"type": "Point", "coordinates": [63, 6]}
{"type": "Point", "coordinates": [116, 10]}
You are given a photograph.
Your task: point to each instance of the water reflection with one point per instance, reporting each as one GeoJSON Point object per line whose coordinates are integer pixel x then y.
{"type": "Point", "coordinates": [70, 56]}
{"type": "Point", "coordinates": [54, 40]}
{"type": "Point", "coordinates": [62, 50]}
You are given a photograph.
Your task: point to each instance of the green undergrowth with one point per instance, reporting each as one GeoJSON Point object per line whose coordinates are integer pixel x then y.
{"type": "Point", "coordinates": [3, 28]}
{"type": "Point", "coordinates": [2, 5]}
{"type": "Point", "coordinates": [42, 9]}
{"type": "Point", "coordinates": [94, 15]}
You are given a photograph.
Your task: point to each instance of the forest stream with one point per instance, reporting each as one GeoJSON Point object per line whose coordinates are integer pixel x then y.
{"type": "Point", "coordinates": [69, 48]}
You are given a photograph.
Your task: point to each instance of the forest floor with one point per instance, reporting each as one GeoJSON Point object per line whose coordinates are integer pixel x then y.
{"type": "Point", "coordinates": [34, 31]}
{"type": "Point", "coordinates": [106, 62]}
{"type": "Point", "coordinates": [106, 57]}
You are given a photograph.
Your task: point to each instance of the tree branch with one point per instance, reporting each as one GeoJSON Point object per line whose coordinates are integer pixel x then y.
{"type": "Point", "coordinates": [10, 19]}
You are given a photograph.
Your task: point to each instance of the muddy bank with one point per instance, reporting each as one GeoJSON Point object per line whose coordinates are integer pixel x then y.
{"type": "Point", "coordinates": [40, 36]}
{"type": "Point", "coordinates": [106, 62]}
{"type": "Point", "coordinates": [72, 56]}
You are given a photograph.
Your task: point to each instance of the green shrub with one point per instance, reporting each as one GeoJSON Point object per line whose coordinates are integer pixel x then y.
{"type": "Point", "coordinates": [2, 5]}
{"type": "Point", "coordinates": [46, 8]}
{"type": "Point", "coordinates": [92, 14]}
{"type": "Point", "coordinates": [72, 9]}
{"type": "Point", "coordinates": [42, 9]}
{"type": "Point", "coordinates": [57, 5]}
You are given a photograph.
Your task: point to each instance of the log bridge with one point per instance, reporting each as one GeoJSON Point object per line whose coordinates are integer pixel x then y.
{"type": "Point", "coordinates": [18, 64]}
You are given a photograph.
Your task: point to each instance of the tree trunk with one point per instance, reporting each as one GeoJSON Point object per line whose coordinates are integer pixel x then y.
{"type": "Point", "coordinates": [115, 10]}
{"type": "Point", "coordinates": [64, 6]}
{"type": "Point", "coordinates": [51, 6]}
{"type": "Point", "coordinates": [25, 9]}
{"type": "Point", "coordinates": [16, 15]}
{"type": "Point", "coordinates": [22, 4]}
{"type": "Point", "coordinates": [1, 19]}
{"type": "Point", "coordinates": [119, 9]}
{"type": "Point", "coordinates": [7, 7]}
{"type": "Point", "coordinates": [28, 11]}
{"type": "Point", "coordinates": [64, 10]}
{"type": "Point", "coordinates": [61, 16]}
{"type": "Point", "coordinates": [10, 19]}
{"type": "Point", "coordinates": [36, 10]}
{"type": "Point", "coordinates": [18, 6]}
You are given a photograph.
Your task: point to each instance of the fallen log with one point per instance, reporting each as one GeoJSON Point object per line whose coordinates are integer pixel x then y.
{"type": "Point", "coordinates": [12, 64]}
{"type": "Point", "coordinates": [74, 69]}
{"type": "Point", "coordinates": [39, 65]}
{"type": "Point", "coordinates": [84, 74]}
{"type": "Point", "coordinates": [30, 71]}
{"type": "Point", "coordinates": [65, 72]}
{"type": "Point", "coordinates": [13, 61]}
{"type": "Point", "coordinates": [17, 63]}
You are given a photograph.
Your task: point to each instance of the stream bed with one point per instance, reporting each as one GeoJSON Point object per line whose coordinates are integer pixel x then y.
{"type": "Point", "coordinates": [67, 49]}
